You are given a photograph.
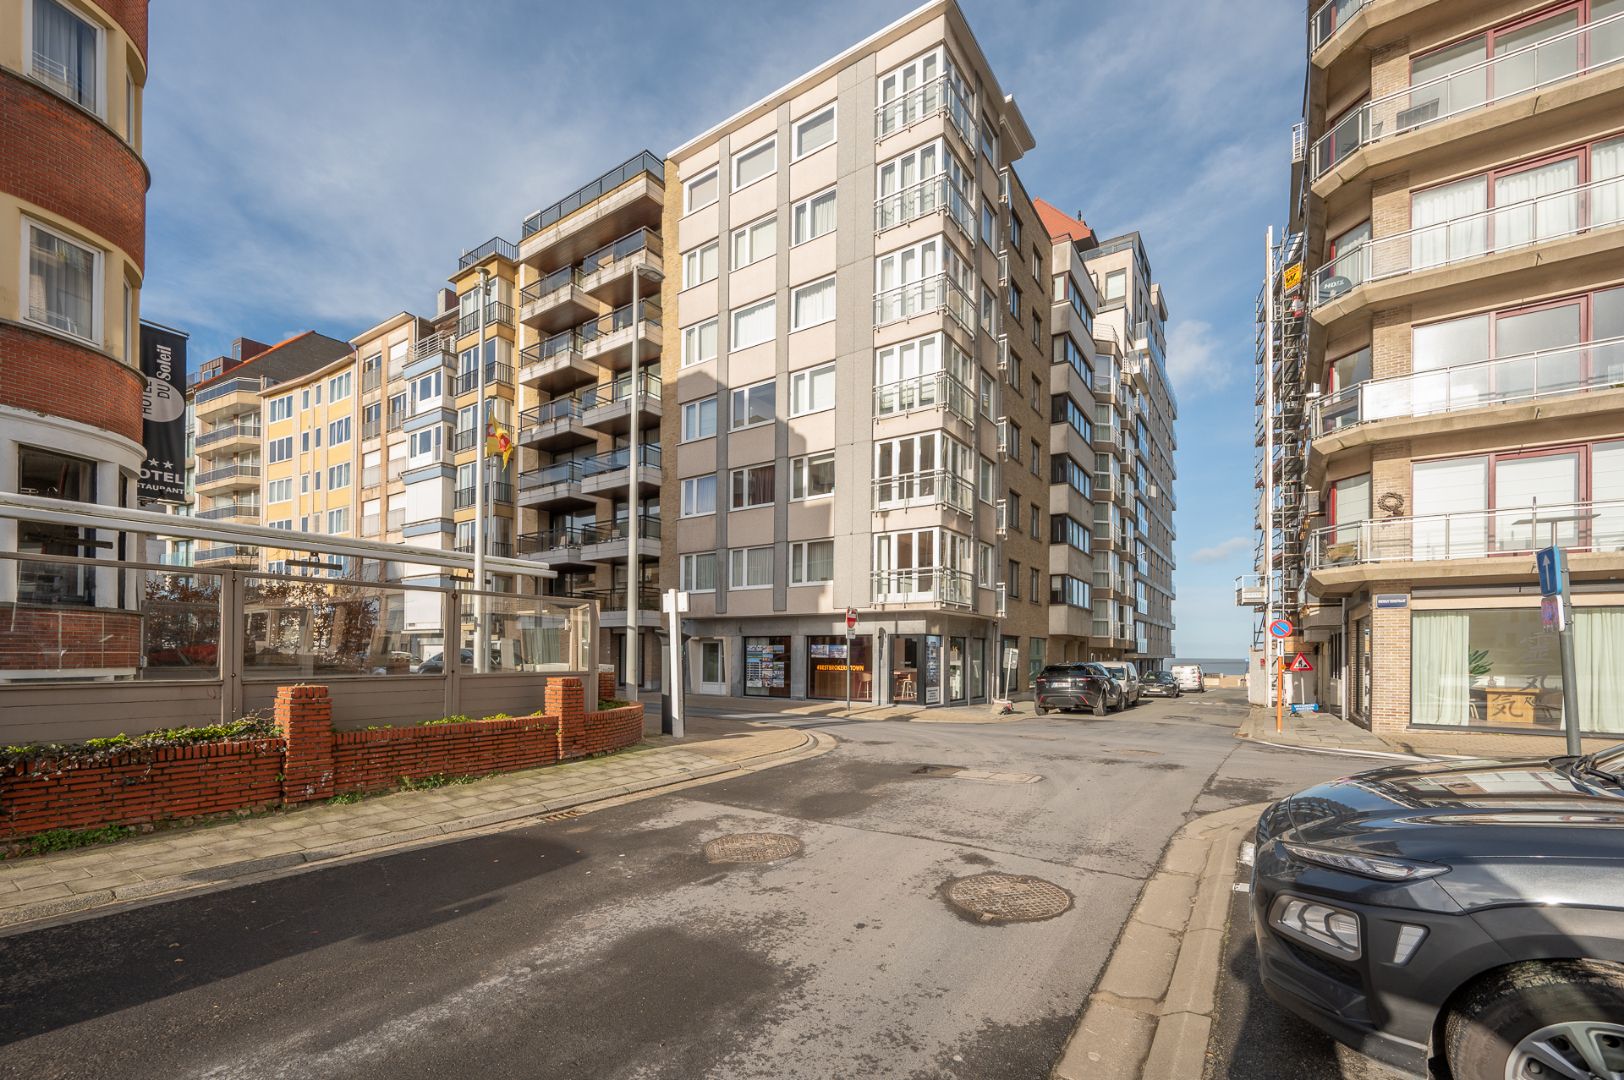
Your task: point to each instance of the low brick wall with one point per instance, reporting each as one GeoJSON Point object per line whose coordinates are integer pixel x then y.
{"type": "Point", "coordinates": [310, 762]}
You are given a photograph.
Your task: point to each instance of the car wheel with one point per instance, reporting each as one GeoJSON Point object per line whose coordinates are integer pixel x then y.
{"type": "Point", "coordinates": [1100, 708]}
{"type": "Point", "coordinates": [1040, 710]}
{"type": "Point", "coordinates": [1561, 1018]}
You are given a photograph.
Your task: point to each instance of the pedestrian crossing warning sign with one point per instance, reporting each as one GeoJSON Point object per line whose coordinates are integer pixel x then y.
{"type": "Point", "coordinates": [1300, 663]}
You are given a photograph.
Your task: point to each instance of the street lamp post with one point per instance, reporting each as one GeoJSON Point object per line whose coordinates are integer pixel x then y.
{"type": "Point", "coordinates": [1553, 581]}
{"type": "Point", "coordinates": [481, 648]}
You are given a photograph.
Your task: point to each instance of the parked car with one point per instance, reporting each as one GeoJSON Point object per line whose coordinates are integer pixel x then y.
{"type": "Point", "coordinates": [1190, 677]}
{"type": "Point", "coordinates": [1126, 676]}
{"type": "Point", "coordinates": [435, 665]}
{"type": "Point", "coordinates": [1461, 914]}
{"type": "Point", "coordinates": [1069, 687]}
{"type": "Point", "coordinates": [1159, 684]}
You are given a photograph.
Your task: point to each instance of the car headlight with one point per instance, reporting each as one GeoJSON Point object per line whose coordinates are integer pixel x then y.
{"type": "Point", "coordinates": [1326, 928]}
{"type": "Point", "coordinates": [1370, 866]}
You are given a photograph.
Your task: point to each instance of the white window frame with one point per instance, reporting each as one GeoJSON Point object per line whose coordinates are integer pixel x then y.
{"type": "Point", "coordinates": [745, 471]}
{"type": "Point", "coordinates": [279, 490]}
{"type": "Point", "coordinates": [339, 387]}
{"type": "Point", "coordinates": [687, 571]}
{"type": "Point", "coordinates": [690, 489]}
{"type": "Point", "coordinates": [338, 520]}
{"type": "Point", "coordinates": [802, 211]}
{"type": "Point", "coordinates": [690, 338]}
{"type": "Point", "coordinates": [689, 206]}
{"type": "Point", "coordinates": [800, 477]}
{"type": "Point", "coordinates": [746, 234]}
{"type": "Point", "coordinates": [734, 412]}
{"type": "Point", "coordinates": [697, 405]}
{"type": "Point", "coordinates": [733, 342]}
{"type": "Point", "coordinates": [284, 413]}
{"type": "Point", "coordinates": [695, 258]}
{"type": "Point", "coordinates": [798, 562]}
{"type": "Point", "coordinates": [98, 273]}
{"type": "Point", "coordinates": [834, 130]}
{"type": "Point", "coordinates": [100, 111]}
{"type": "Point", "coordinates": [804, 378]}
{"type": "Point", "coordinates": [740, 155]}
{"type": "Point", "coordinates": [338, 476]}
{"type": "Point", "coordinates": [795, 325]}
{"type": "Point", "coordinates": [735, 585]}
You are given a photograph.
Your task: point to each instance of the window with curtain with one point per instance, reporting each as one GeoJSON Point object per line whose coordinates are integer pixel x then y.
{"type": "Point", "coordinates": [1606, 42]}
{"type": "Point", "coordinates": [1448, 500]}
{"type": "Point", "coordinates": [1447, 223]}
{"type": "Point", "coordinates": [1440, 668]}
{"type": "Point", "coordinates": [814, 217]}
{"type": "Point", "coordinates": [1607, 170]}
{"type": "Point", "coordinates": [754, 324]}
{"type": "Point", "coordinates": [752, 405]}
{"type": "Point", "coordinates": [1350, 509]}
{"type": "Point", "coordinates": [1526, 57]}
{"type": "Point", "coordinates": [1350, 257]}
{"type": "Point", "coordinates": [1536, 204]}
{"type": "Point", "coordinates": [1606, 528]}
{"type": "Point", "coordinates": [812, 390]}
{"type": "Point", "coordinates": [812, 562]}
{"type": "Point", "coordinates": [1552, 331]}
{"type": "Point", "coordinates": [812, 304]}
{"type": "Point", "coordinates": [62, 283]}
{"type": "Point", "coordinates": [1598, 642]}
{"type": "Point", "coordinates": [756, 485]}
{"type": "Point", "coordinates": [1550, 479]}
{"type": "Point", "coordinates": [750, 568]}
{"type": "Point", "coordinates": [65, 53]}
{"type": "Point", "coordinates": [755, 162]}
{"type": "Point", "coordinates": [1446, 358]}
{"type": "Point", "coordinates": [1452, 82]}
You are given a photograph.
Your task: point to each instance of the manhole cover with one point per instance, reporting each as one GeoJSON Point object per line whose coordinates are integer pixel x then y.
{"type": "Point", "coordinates": [1008, 897]}
{"type": "Point", "coordinates": [959, 772]}
{"type": "Point", "coordinates": [761, 847]}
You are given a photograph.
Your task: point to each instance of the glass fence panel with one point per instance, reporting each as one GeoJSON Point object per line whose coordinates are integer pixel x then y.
{"type": "Point", "coordinates": [298, 628]}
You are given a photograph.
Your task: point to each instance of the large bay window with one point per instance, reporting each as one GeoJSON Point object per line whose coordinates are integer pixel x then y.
{"type": "Point", "coordinates": [924, 565]}
{"type": "Point", "coordinates": [64, 283]}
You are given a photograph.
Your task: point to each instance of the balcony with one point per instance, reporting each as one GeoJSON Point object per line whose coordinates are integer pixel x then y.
{"type": "Point", "coordinates": [929, 587]}
{"type": "Point", "coordinates": [931, 294]}
{"type": "Point", "coordinates": [554, 425]}
{"type": "Point", "coordinates": [644, 162]}
{"type": "Point", "coordinates": [556, 301]}
{"type": "Point", "coordinates": [500, 492]}
{"type": "Point", "coordinates": [609, 541]}
{"type": "Point", "coordinates": [934, 488]}
{"type": "Point", "coordinates": [557, 485]}
{"type": "Point", "coordinates": [607, 340]}
{"type": "Point", "coordinates": [610, 474]}
{"type": "Point", "coordinates": [496, 314]}
{"type": "Point", "coordinates": [229, 554]}
{"type": "Point", "coordinates": [371, 429]}
{"type": "Point", "coordinates": [1508, 380]}
{"type": "Point", "coordinates": [371, 380]}
{"type": "Point", "coordinates": [559, 546]}
{"type": "Point", "coordinates": [607, 272]}
{"type": "Point", "coordinates": [936, 195]}
{"type": "Point", "coordinates": [494, 246]}
{"type": "Point", "coordinates": [606, 407]}
{"type": "Point", "coordinates": [244, 512]}
{"type": "Point", "coordinates": [495, 375]}
{"type": "Point", "coordinates": [1474, 534]}
{"type": "Point", "coordinates": [220, 401]}
{"type": "Point", "coordinates": [231, 436]}
{"type": "Point", "coordinates": [932, 390]}
{"type": "Point", "coordinates": [939, 97]}
{"type": "Point", "coordinates": [1328, 19]}
{"type": "Point", "coordinates": [464, 440]}
{"type": "Point", "coordinates": [437, 344]}
{"type": "Point", "coordinates": [556, 366]}
{"type": "Point", "coordinates": [227, 477]}
{"type": "Point", "coordinates": [1552, 216]}
{"type": "Point", "coordinates": [499, 549]}
{"type": "Point", "coordinates": [396, 520]}
{"type": "Point", "coordinates": [1543, 64]}
{"type": "Point", "coordinates": [612, 607]}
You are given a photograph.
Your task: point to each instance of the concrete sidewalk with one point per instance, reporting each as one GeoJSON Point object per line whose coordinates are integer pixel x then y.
{"type": "Point", "coordinates": [205, 856]}
{"type": "Point", "coordinates": [1323, 731]}
{"type": "Point", "coordinates": [742, 707]}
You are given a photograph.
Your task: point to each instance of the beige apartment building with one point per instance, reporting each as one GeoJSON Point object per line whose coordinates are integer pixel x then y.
{"type": "Point", "coordinates": [1444, 354]}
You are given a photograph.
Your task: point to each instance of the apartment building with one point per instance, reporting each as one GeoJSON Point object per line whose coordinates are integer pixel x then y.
{"type": "Point", "coordinates": [1443, 346]}
{"type": "Point", "coordinates": [310, 429]}
{"type": "Point", "coordinates": [591, 341]}
{"type": "Point", "coordinates": [855, 296]}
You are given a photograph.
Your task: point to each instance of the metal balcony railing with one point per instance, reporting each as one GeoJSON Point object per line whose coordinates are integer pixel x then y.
{"type": "Point", "coordinates": [648, 455]}
{"type": "Point", "coordinates": [1551, 216]}
{"type": "Point", "coordinates": [495, 375]}
{"type": "Point", "coordinates": [229, 431]}
{"type": "Point", "coordinates": [618, 319]}
{"type": "Point", "coordinates": [1594, 365]}
{"type": "Point", "coordinates": [396, 520]}
{"type": "Point", "coordinates": [441, 343]}
{"type": "Point", "coordinates": [562, 538]}
{"type": "Point", "coordinates": [496, 314]}
{"type": "Point", "coordinates": [561, 278]}
{"type": "Point", "coordinates": [565, 408]}
{"type": "Point", "coordinates": [494, 246]}
{"type": "Point", "coordinates": [1519, 530]}
{"type": "Point", "coordinates": [560, 344]}
{"type": "Point", "coordinates": [613, 600]}
{"type": "Point", "coordinates": [644, 162]}
{"type": "Point", "coordinates": [931, 390]}
{"type": "Point", "coordinates": [501, 549]}
{"type": "Point", "coordinates": [371, 429]}
{"type": "Point", "coordinates": [919, 297]}
{"type": "Point", "coordinates": [648, 528]}
{"type": "Point", "coordinates": [1552, 60]}
{"type": "Point", "coordinates": [633, 243]}
{"type": "Point", "coordinates": [1329, 18]}
{"type": "Point", "coordinates": [940, 95]}
{"type": "Point", "coordinates": [240, 384]}
{"type": "Point", "coordinates": [371, 476]}
{"type": "Point", "coordinates": [464, 497]}
{"type": "Point", "coordinates": [938, 194]}
{"type": "Point", "coordinates": [249, 511]}
{"type": "Point", "coordinates": [227, 472]}
{"type": "Point", "coordinates": [371, 380]}
{"type": "Point", "coordinates": [936, 487]}
{"type": "Point", "coordinates": [619, 389]}
{"type": "Point", "coordinates": [932, 585]}
{"type": "Point", "coordinates": [562, 472]}
{"type": "Point", "coordinates": [370, 524]}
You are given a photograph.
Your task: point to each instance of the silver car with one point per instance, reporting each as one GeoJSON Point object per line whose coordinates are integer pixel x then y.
{"type": "Point", "coordinates": [1126, 677]}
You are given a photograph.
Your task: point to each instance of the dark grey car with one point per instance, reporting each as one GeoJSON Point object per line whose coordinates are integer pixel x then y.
{"type": "Point", "coordinates": [1461, 914]}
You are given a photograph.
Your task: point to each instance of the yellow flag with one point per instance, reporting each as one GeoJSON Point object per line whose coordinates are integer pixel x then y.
{"type": "Point", "coordinates": [498, 441]}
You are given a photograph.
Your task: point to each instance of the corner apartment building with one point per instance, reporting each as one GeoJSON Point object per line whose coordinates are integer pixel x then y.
{"type": "Point", "coordinates": [73, 188]}
{"type": "Point", "coordinates": [1445, 322]}
{"type": "Point", "coordinates": [857, 312]}
{"type": "Point", "coordinates": [310, 426]}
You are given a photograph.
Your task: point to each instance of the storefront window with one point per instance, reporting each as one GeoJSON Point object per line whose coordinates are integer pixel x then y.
{"type": "Point", "coordinates": [54, 476]}
{"type": "Point", "coordinates": [955, 669]}
{"type": "Point", "coordinates": [978, 668]}
{"type": "Point", "coordinates": [905, 664]}
{"type": "Point", "coordinates": [827, 663]}
{"type": "Point", "coordinates": [766, 666]}
{"type": "Point", "coordinates": [1499, 667]}
{"type": "Point", "coordinates": [933, 670]}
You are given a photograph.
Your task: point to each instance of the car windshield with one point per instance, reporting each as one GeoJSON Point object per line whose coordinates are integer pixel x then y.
{"type": "Point", "coordinates": [1158, 676]}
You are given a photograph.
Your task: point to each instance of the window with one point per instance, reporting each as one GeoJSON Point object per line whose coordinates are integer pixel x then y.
{"type": "Point", "coordinates": [338, 387]}
{"type": "Point", "coordinates": [1064, 529]}
{"type": "Point", "coordinates": [984, 560]}
{"type": "Point", "coordinates": [754, 324]}
{"type": "Point", "coordinates": [426, 388]}
{"type": "Point", "coordinates": [814, 217]}
{"type": "Point", "coordinates": [64, 284]}
{"type": "Point", "coordinates": [985, 393]}
{"type": "Point", "coordinates": [1035, 513]}
{"type": "Point", "coordinates": [1036, 462]}
{"type": "Point", "coordinates": [754, 242]}
{"type": "Point", "coordinates": [699, 419]}
{"type": "Point", "coordinates": [755, 485]}
{"type": "Point", "coordinates": [67, 54]}
{"type": "Point", "coordinates": [1012, 582]}
{"type": "Point", "coordinates": [986, 479]}
{"type": "Point", "coordinates": [1014, 231]}
{"type": "Point", "coordinates": [812, 390]}
{"type": "Point", "coordinates": [1033, 586]}
{"type": "Point", "coordinates": [989, 225]}
{"type": "Point", "coordinates": [815, 132]}
{"type": "Point", "coordinates": [753, 405]}
{"type": "Point", "coordinates": [338, 521]}
{"type": "Point", "coordinates": [750, 568]}
{"type": "Point", "coordinates": [811, 562]}
{"type": "Point", "coordinates": [755, 163]}
{"type": "Point", "coordinates": [812, 476]}
{"type": "Point", "coordinates": [281, 408]}
{"type": "Point", "coordinates": [1013, 440]}
{"type": "Point", "coordinates": [699, 572]}
{"type": "Point", "coordinates": [279, 449]}
{"type": "Point", "coordinates": [279, 490]}
{"type": "Point", "coordinates": [699, 496]}
{"type": "Point", "coordinates": [54, 476]}
{"type": "Point", "coordinates": [812, 305]}
{"type": "Point", "coordinates": [1037, 394]}
{"type": "Point", "coordinates": [337, 432]}
{"type": "Point", "coordinates": [700, 192]}
{"type": "Point", "coordinates": [989, 141]}
{"type": "Point", "coordinates": [1014, 301]}
{"type": "Point", "coordinates": [699, 343]}
{"type": "Point", "coordinates": [989, 307]}
{"type": "Point", "coordinates": [338, 475]}
{"type": "Point", "coordinates": [699, 265]}
{"type": "Point", "coordinates": [1116, 285]}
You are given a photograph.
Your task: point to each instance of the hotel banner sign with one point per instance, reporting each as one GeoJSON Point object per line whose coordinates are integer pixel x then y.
{"type": "Point", "coordinates": [163, 403]}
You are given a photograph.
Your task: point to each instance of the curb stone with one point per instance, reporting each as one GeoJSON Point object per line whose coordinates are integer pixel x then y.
{"type": "Point", "coordinates": [1162, 1033]}
{"type": "Point", "coordinates": [271, 866]}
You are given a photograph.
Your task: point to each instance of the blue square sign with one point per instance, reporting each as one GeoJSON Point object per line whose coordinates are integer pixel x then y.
{"type": "Point", "coordinates": [1553, 570]}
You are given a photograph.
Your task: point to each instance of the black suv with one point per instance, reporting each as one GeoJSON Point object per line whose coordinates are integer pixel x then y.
{"type": "Point", "coordinates": [1068, 687]}
{"type": "Point", "coordinates": [1459, 915]}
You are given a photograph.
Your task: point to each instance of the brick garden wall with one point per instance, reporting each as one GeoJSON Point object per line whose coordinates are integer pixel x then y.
{"type": "Point", "coordinates": [310, 762]}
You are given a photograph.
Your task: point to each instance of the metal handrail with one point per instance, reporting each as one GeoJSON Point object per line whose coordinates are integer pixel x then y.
{"type": "Point", "coordinates": [495, 374]}
{"type": "Point", "coordinates": [932, 195]}
{"type": "Point", "coordinates": [619, 319]}
{"type": "Point", "coordinates": [928, 294]}
{"type": "Point", "coordinates": [564, 408]}
{"type": "Point", "coordinates": [925, 391]}
{"type": "Point", "coordinates": [950, 588]}
{"type": "Point", "coordinates": [560, 472]}
{"type": "Point", "coordinates": [229, 431]}
{"type": "Point", "coordinates": [1503, 380]}
{"type": "Point", "coordinates": [1517, 530]}
{"type": "Point", "coordinates": [496, 314]}
{"type": "Point", "coordinates": [237, 384]}
{"type": "Point", "coordinates": [1328, 19]}
{"type": "Point", "coordinates": [638, 240]}
{"type": "Point", "coordinates": [1425, 103]}
{"type": "Point", "coordinates": [558, 279]}
{"type": "Point", "coordinates": [565, 341]}
{"type": "Point", "coordinates": [927, 488]}
{"type": "Point", "coordinates": [494, 246]}
{"type": "Point", "coordinates": [231, 510]}
{"type": "Point", "coordinates": [940, 95]}
{"type": "Point", "coordinates": [648, 528]}
{"type": "Point", "coordinates": [434, 343]}
{"type": "Point", "coordinates": [225, 472]}
{"type": "Point", "coordinates": [644, 162]}
{"type": "Point", "coordinates": [1444, 243]}
{"type": "Point", "coordinates": [647, 455]}
{"type": "Point", "coordinates": [562, 537]}
{"type": "Point", "coordinates": [619, 389]}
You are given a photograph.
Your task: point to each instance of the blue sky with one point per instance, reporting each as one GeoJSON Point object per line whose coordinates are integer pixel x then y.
{"type": "Point", "coordinates": [308, 161]}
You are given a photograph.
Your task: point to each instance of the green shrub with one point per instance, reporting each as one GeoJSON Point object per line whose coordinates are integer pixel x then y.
{"type": "Point", "coordinates": [457, 719]}
{"type": "Point", "coordinates": [251, 726]}
{"type": "Point", "coordinates": [604, 704]}
{"type": "Point", "coordinates": [438, 780]}
{"type": "Point", "coordinates": [67, 839]}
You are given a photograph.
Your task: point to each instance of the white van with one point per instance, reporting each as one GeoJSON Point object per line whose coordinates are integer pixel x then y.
{"type": "Point", "coordinates": [1189, 677]}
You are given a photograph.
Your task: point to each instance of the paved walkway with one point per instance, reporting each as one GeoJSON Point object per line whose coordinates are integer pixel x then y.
{"type": "Point", "coordinates": [174, 860]}
{"type": "Point", "coordinates": [742, 707]}
{"type": "Point", "coordinates": [1323, 731]}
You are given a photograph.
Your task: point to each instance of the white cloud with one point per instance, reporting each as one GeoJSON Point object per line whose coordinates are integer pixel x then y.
{"type": "Point", "coordinates": [1221, 551]}
{"type": "Point", "coordinates": [1195, 358]}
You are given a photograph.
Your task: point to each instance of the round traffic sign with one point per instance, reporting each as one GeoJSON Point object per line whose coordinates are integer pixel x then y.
{"type": "Point", "coordinates": [1280, 628]}
{"type": "Point", "coordinates": [851, 618]}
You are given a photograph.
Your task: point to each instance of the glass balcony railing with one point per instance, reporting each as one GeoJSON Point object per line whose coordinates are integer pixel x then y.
{"type": "Point", "coordinates": [563, 343]}
{"type": "Point", "coordinates": [928, 585]}
{"type": "Point", "coordinates": [644, 162]}
{"type": "Point", "coordinates": [633, 243]}
{"type": "Point", "coordinates": [1508, 227]}
{"type": "Point", "coordinates": [228, 472]}
{"type": "Point", "coordinates": [940, 95]}
{"type": "Point", "coordinates": [559, 539]}
{"type": "Point", "coordinates": [918, 297]}
{"type": "Point", "coordinates": [936, 487]}
{"type": "Point", "coordinates": [1329, 18]}
{"type": "Point", "coordinates": [618, 319]}
{"type": "Point", "coordinates": [495, 375]}
{"type": "Point", "coordinates": [1544, 63]}
{"type": "Point", "coordinates": [619, 389]}
{"type": "Point", "coordinates": [567, 408]}
{"type": "Point", "coordinates": [1472, 534]}
{"type": "Point", "coordinates": [241, 384]}
{"type": "Point", "coordinates": [229, 431]}
{"type": "Point", "coordinates": [616, 460]}
{"type": "Point", "coordinates": [1594, 365]}
{"type": "Point", "coordinates": [246, 511]}
{"type": "Point", "coordinates": [931, 390]}
{"type": "Point", "coordinates": [648, 528]}
{"type": "Point", "coordinates": [562, 472]}
{"type": "Point", "coordinates": [558, 279]}
{"type": "Point", "coordinates": [935, 195]}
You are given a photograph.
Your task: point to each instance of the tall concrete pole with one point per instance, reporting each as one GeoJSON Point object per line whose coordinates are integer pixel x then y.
{"type": "Point", "coordinates": [481, 647]}
{"type": "Point", "coordinates": [634, 638]}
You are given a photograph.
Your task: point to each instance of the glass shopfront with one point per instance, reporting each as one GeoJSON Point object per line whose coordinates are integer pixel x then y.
{"type": "Point", "coordinates": [916, 670]}
{"type": "Point", "coordinates": [766, 667]}
{"type": "Point", "coordinates": [955, 669]}
{"type": "Point", "coordinates": [827, 663]}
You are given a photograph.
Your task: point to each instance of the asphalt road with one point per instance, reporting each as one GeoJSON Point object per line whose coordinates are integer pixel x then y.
{"type": "Point", "coordinates": [606, 946]}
